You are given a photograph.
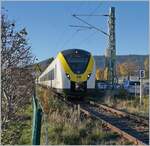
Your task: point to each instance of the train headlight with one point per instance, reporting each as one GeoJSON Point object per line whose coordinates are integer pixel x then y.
{"type": "Point", "coordinates": [68, 76]}
{"type": "Point", "coordinates": [88, 76]}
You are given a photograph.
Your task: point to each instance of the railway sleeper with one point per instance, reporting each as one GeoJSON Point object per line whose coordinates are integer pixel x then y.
{"type": "Point", "coordinates": [124, 132]}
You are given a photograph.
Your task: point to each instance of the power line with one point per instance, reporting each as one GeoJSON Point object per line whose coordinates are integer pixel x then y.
{"type": "Point", "coordinates": [60, 37]}
{"type": "Point", "coordinates": [85, 39]}
{"type": "Point", "coordinates": [93, 11]}
{"type": "Point", "coordinates": [70, 39]}
{"type": "Point", "coordinates": [90, 24]}
{"type": "Point", "coordinates": [81, 26]}
{"type": "Point", "coordinates": [80, 5]}
{"type": "Point", "coordinates": [74, 34]}
{"type": "Point", "coordinates": [63, 32]}
{"type": "Point", "coordinates": [91, 15]}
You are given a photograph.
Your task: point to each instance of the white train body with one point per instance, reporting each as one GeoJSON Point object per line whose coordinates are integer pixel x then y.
{"type": "Point", "coordinates": [68, 75]}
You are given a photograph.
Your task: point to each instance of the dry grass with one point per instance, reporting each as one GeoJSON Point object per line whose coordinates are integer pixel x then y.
{"type": "Point", "coordinates": [130, 104]}
{"type": "Point", "coordinates": [66, 126]}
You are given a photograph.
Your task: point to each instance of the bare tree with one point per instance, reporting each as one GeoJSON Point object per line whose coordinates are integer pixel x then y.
{"type": "Point", "coordinates": [17, 80]}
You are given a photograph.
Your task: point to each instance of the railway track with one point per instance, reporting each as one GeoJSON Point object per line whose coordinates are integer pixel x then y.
{"type": "Point", "coordinates": [135, 130]}
{"type": "Point", "coordinates": [131, 127]}
{"type": "Point", "coordinates": [143, 120]}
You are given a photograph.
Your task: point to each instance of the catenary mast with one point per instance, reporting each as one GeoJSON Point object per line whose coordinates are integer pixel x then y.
{"type": "Point", "coordinates": [110, 55]}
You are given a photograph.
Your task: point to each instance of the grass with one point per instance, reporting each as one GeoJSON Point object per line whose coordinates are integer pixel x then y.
{"type": "Point", "coordinates": [86, 133]}
{"type": "Point", "coordinates": [127, 103]}
{"type": "Point", "coordinates": [26, 135]}
{"type": "Point", "coordinates": [120, 99]}
{"type": "Point", "coordinates": [132, 105]}
{"type": "Point", "coordinates": [19, 132]}
{"type": "Point", "coordinates": [66, 127]}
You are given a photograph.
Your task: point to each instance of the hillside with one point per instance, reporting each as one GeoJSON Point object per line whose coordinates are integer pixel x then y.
{"type": "Point", "coordinates": [138, 59]}
{"type": "Point", "coordinates": [100, 60]}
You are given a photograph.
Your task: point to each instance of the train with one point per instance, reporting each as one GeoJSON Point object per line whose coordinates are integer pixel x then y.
{"type": "Point", "coordinates": [72, 72]}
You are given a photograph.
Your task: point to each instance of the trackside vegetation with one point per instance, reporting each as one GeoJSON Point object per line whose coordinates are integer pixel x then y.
{"type": "Point", "coordinates": [66, 126]}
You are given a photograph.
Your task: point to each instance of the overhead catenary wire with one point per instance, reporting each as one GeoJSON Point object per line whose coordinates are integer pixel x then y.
{"type": "Point", "coordinates": [74, 33]}
{"type": "Point", "coordinates": [83, 28]}
{"type": "Point", "coordinates": [94, 10]}
{"type": "Point", "coordinates": [69, 39]}
{"type": "Point", "coordinates": [60, 38]}
{"type": "Point", "coordinates": [65, 30]}
{"type": "Point", "coordinates": [90, 25]}
{"type": "Point", "coordinates": [92, 15]}
{"type": "Point", "coordinates": [85, 39]}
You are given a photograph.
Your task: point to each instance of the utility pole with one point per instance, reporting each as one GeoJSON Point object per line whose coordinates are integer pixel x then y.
{"type": "Point", "coordinates": [112, 47]}
{"type": "Point", "coordinates": [110, 63]}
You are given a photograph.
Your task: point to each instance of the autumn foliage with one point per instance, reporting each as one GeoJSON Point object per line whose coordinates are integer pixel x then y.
{"type": "Point", "coordinates": [127, 69]}
{"type": "Point", "coordinates": [102, 74]}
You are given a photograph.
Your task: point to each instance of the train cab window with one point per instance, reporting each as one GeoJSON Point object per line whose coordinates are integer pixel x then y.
{"type": "Point", "coordinates": [77, 60]}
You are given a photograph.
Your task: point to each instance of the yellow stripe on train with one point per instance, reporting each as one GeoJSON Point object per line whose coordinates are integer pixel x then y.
{"type": "Point", "coordinates": [75, 77]}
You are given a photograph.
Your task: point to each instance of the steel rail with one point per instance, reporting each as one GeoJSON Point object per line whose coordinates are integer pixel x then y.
{"type": "Point", "coordinates": [121, 113]}
{"type": "Point", "coordinates": [111, 126]}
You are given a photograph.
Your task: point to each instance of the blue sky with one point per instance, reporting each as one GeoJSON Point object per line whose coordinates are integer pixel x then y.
{"type": "Point", "coordinates": [48, 28]}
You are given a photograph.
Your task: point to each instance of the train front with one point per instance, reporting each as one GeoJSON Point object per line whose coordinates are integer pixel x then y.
{"type": "Point", "coordinates": [79, 69]}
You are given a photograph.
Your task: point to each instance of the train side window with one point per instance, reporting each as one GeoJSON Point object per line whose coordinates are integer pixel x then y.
{"type": "Point", "coordinates": [47, 76]}
{"type": "Point", "coordinates": [55, 71]}
{"type": "Point", "coordinates": [53, 74]}
{"type": "Point", "coordinates": [50, 75]}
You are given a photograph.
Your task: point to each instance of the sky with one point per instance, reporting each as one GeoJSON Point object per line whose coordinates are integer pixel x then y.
{"type": "Point", "coordinates": [47, 23]}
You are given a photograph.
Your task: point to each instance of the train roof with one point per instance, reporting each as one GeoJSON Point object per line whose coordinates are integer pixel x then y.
{"type": "Point", "coordinates": [70, 51]}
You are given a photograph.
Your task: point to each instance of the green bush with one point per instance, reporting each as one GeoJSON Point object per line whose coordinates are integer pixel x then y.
{"type": "Point", "coordinates": [122, 93]}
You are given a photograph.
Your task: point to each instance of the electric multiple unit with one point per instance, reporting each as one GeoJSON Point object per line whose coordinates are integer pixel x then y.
{"type": "Point", "coordinates": [71, 72]}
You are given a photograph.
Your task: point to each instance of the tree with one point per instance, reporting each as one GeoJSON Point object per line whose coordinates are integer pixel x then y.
{"type": "Point", "coordinates": [99, 74]}
{"type": "Point", "coordinates": [128, 68]}
{"type": "Point", "coordinates": [118, 67]}
{"type": "Point", "coordinates": [17, 80]}
{"type": "Point", "coordinates": [106, 74]}
{"type": "Point", "coordinates": [123, 69]}
{"type": "Point", "coordinates": [146, 67]}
